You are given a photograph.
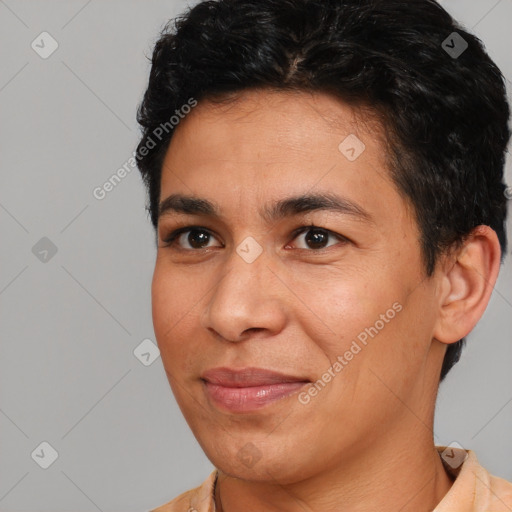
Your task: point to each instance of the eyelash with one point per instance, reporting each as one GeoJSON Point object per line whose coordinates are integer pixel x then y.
{"type": "Point", "coordinates": [169, 241]}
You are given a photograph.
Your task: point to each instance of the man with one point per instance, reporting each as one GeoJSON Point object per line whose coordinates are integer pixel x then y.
{"type": "Point", "coordinates": [325, 179]}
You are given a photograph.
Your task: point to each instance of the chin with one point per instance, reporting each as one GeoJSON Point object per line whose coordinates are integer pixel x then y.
{"type": "Point", "coordinates": [247, 461]}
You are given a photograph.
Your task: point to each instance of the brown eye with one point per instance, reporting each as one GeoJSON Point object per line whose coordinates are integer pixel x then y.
{"type": "Point", "coordinates": [197, 239]}
{"type": "Point", "coordinates": [189, 238]}
{"type": "Point", "coordinates": [316, 238]}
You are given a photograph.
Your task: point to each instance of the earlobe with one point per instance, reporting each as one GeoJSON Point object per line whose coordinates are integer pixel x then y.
{"type": "Point", "coordinates": [467, 281]}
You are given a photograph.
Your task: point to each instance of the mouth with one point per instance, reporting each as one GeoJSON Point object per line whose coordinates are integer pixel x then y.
{"type": "Point", "coordinates": [248, 389]}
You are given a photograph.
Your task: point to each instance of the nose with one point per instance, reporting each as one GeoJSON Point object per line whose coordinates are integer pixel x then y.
{"type": "Point", "coordinates": [247, 298]}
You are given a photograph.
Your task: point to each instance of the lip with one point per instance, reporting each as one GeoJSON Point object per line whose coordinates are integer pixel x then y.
{"type": "Point", "coordinates": [249, 389]}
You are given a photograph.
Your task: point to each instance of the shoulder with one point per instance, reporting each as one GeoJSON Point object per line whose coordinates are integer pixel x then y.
{"type": "Point", "coordinates": [474, 488]}
{"type": "Point", "coordinates": [491, 493]}
{"type": "Point", "coordinates": [199, 499]}
{"type": "Point", "coordinates": [501, 493]}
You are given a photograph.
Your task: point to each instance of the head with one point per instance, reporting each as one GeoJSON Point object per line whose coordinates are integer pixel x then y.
{"type": "Point", "coordinates": [267, 112]}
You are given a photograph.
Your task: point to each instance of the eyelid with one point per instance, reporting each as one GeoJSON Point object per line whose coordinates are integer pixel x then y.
{"type": "Point", "coordinates": [170, 239]}
{"type": "Point", "coordinates": [303, 229]}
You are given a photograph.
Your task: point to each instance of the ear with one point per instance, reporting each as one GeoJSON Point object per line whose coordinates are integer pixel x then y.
{"type": "Point", "coordinates": [467, 279]}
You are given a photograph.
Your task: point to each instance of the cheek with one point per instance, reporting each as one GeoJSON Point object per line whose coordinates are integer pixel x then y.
{"type": "Point", "coordinates": [163, 302]}
{"type": "Point", "coordinates": [347, 308]}
{"type": "Point", "coordinates": [397, 340]}
{"type": "Point", "coordinates": [374, 326]}
{"type": "Point", "coordinates": [173, 316]}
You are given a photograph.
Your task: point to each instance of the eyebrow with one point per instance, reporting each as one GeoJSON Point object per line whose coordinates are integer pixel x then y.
{"type": "Point", "coordinates": [288, 207]}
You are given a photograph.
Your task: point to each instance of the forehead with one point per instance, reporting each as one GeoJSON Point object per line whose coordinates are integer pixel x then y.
{"type": "Point", "coordinates": [264, 128]}
{"type": "Point", "coordinates": [284, 121]}
{"type": "Point", "coordinates": [261, 143]}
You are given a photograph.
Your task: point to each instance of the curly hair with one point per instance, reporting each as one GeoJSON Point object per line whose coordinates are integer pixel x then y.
{"type": "Point", "coordinates": [445, 115]}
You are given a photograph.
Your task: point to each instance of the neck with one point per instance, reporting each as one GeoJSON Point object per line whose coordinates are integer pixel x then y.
{"type": "Point", "coordinates": [404, 476]}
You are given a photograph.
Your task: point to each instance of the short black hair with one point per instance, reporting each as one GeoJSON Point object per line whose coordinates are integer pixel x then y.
{"type": "Point", "coordinates": [443, 105]}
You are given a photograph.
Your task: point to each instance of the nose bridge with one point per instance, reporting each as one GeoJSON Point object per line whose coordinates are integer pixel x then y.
{"type": "Point", "coordinates": [245, 266]}
{"type": "Point", "coordinates": [242, 299]}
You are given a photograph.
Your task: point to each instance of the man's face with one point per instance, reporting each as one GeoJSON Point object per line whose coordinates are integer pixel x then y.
{"type": "Point", "coordinates": [344, 305]}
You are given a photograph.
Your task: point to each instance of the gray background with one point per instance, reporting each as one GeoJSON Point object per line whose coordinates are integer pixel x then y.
{"type": "Point", "coordinates": [69, 325]}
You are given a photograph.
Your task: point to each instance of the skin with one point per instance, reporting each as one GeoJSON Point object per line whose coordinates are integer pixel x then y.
{"type": "Point", "coordinates": [365, 441]}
